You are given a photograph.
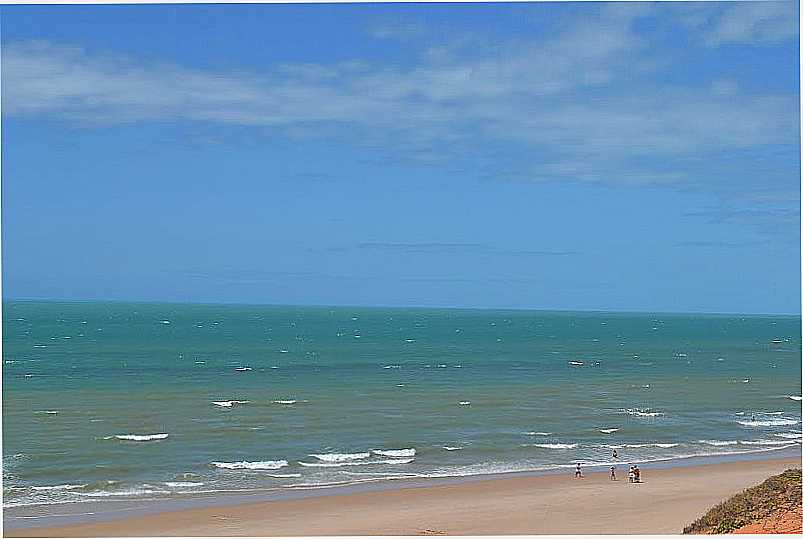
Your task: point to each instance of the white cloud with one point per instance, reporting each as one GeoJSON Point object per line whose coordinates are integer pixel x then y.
{"type": "Point", "coordinates": [758, 22]}
{"type": "Point", "coordinates": [577, 99]}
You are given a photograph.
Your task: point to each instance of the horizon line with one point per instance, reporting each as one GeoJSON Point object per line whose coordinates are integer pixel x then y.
{"type": "Point", "coordinates": [422, 307]}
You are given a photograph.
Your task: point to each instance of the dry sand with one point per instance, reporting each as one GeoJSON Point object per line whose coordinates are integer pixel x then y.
{"type": "Point", "coordinates": [553, 504]}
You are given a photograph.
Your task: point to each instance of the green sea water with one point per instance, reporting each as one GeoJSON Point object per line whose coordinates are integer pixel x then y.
{"type": "Point", "coordinates": [107, 401]}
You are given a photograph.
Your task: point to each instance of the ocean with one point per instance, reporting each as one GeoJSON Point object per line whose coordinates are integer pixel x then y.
{"type": "Point", "coordinates": [130, 401]}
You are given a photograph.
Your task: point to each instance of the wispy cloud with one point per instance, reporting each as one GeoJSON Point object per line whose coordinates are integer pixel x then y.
{"type": "Point", "coordinates": [578, 101]}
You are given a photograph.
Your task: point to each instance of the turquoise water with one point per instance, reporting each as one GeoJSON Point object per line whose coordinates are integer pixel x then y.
{"type": "Point", "coordinates": [348, 395]}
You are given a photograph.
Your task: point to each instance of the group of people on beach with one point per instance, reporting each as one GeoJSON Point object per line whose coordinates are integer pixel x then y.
{"type": "Point", "coordinates": [633, 475]}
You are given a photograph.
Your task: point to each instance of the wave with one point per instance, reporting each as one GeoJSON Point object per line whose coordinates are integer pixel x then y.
{"type": "Point", "coordinates": [228, 404]}
{"type": "Point", "coordinates": [789, 435]}
{"type": "Point", "coordinates": [288, 402]}
{"type": "Point", "coordinates": [764, 442]}
{"type": "Point", "coordinates": [354, 463]}
{"type": "Point", "coordinates": [554, 446]}
{"type": "Point", "coordinates": [395, 452]}
{"type": "Point", "coordinates": [576, 363]}
{"type": "Point", "coordinates": [182, 484]}
{"type": "Point", "coordinates": [59, 487]}
{"type": "Point", "coordinates": [341, 457]}
{"type": "Point", "coordinates": [257, 465]}
{"type": "Point", "coordinates": [242, 369]}
{"type": "Point", "coordinates": [718, 442]}
{"type": "Point", "coordinates": [794, 397]}
{"type": "Point", "coordinates": [464, 403]}
{"type": "Point", "coordinates": [653, 444]}
{"type": "Point", "coordinates": [452, 448]}
{"type": "Point", "coordinates": [608, 431]}
{"type": "Point", "coordinates": [126, 492]}
{"type": "Point", "coordinates": [141, 437]}
{"type": "Point", "coordinates": [769, 422]}
{"type": "Point", "coordinates": [646, 412]}
{"type": "Point", "coordinates": [538, 433]}
{"type": "Point", "coordinates": [47, 412]}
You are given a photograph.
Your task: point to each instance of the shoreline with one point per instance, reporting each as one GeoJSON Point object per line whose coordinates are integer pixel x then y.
{"type": "Point", "coordinates": [258, 512]}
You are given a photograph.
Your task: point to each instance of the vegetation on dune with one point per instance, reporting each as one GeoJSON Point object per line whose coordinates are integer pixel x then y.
{"type": "Point", "coordinates": [778, 494]}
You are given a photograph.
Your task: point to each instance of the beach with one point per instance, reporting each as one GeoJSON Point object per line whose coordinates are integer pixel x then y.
{"type": "Point", "coordinates": [667, 500]}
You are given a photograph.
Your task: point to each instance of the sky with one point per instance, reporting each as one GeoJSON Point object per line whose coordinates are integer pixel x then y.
{"type": "Point", "coordinates": [572, 156]}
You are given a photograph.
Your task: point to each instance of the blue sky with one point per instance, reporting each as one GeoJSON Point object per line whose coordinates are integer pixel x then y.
{"type": "Point", "coordinates": [611, 156]}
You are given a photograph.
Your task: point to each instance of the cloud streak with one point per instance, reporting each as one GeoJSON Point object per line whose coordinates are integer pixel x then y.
{"type": "Point", "coordinates": [581, 100]}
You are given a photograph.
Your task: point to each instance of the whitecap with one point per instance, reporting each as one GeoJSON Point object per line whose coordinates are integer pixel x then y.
{"type": "Point", "coordinates": [452, 448]}
{"type": "Point", "coordinates": [662, 445]}
{"type": "Point", "coordinates": [769, 422]}
{"type": "Point", "coordinates": [340, 457]}
{"type": "Point", "coordinates": [392, 367]}
{"type": "Point", "coordinates": [242, 369]}
{"type": "Point", "coordinates": [354, 463]}
{"type": "Point", "coordinates": [555, 446]}
{"type": "Point", "coordinates": [764, 442]}
{"type": "Point", "coordinates": [646, 412]}
{"type": "Point", "coordinates": [537, 433]}
{"type": "Point", "coordinates": [182, 484]}
{"type": "Point", "coordinates": [256, 465]}
{"type": "Point", "coordinates": [794, 397]}
{"type": "Point", "coordinates": [718, 442]}
{"type": "Point", "coordinates": [165, 321]}
{"type": "Point", "coordinates": [576, 363]}
{"type": "Point", "coordinates": [47, 412]}
{"type": "Point", "coordinates": [141, 437]}
{"type": "Point", "coordinates": [789, 435]}
{"type": "Point", "coordinates": [608, 431]}
{"type": "Point", "coordinates": [285, 402]}
{"type": "Point", "coordinates": [228, 404]}
{"type": "Point", "coordinates": [59, 487]}
{"type": "Point", "coordinates": [464, 403]}
{"type": "Point", "coordinates": [410, 452]}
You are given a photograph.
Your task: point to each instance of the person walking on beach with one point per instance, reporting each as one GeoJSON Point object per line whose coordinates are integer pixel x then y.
{"type": "Point", "coordinates": [637, 474]}
{"type": "Point", "coordinates": [577, 472]}
{"type": "Point", "coordinates": [613, 473]}
{"type": "Point", "coordinates": [615, 454]}
{"type": "Point", "coordinates": [631, 475]}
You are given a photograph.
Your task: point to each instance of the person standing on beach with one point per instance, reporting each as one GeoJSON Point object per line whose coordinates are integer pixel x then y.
{"type": "Point", "coordinates": [577, 472]}
{"type": "Point", "coordinates": [615, 454]}
{"type": "Point", "coordinates": [613, 473]}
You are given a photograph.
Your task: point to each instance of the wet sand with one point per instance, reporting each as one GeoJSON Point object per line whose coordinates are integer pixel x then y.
{"type": "Point", "coordinates": [667, 500]}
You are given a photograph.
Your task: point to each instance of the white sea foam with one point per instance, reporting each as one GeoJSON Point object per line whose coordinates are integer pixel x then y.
{"type": "Point", "coordinates": [608, 431]}
{"type": "Point", "coordinates": [576, 363]}
{"type": "Point", "coordinates": [646, 412]}
{"type": "Point", "coordinates": [182, 484]}
{"type": "Point", "coordinates": [538, 433]}
{"type": "Point", "coordinates": [47, 412]}
{"type": "Point", "coordinates": [555, 446]}
{"type": "Point", "coordinates": [242, 369]}
{"type": "Point", "coordinates": [655, 444]}
{"type": "Point", "coordinates": [126, 492]}
{"type": "Point", "coordinates": [341, 457]}
{"type": "Point", "coordinates": [464, 403]}
{"type": "Point", "coordinates": [228, 404]}
{"type": "Point", "coordinates": [789, 435]}
{"type": "Point", "coordinates": [59, 487]}
{"type": "Point", "coordinates": [769, 422]}
{"type": "Point", "coordinates": [764, 442]}
{"type": "Point", "coordinates": [719, 442]}
{"type": "Point", "coordinates": [354, 463]}
{"type": "Point", "coordinates": [141, 437]}
{"type": "Point", "coordinates": [256, 465]}
{"type": "Point", "coordinates": [285, 401]}
{"type": "Point", "coordinates": [410, 452]}
{"type": "Point", "coordinates": [452, 448]}
{"type": "Point", "coordinates": [392, 367]}
{"type": "Point", "coordinates": [794, 397]}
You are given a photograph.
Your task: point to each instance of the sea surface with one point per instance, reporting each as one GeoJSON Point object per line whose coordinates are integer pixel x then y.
{"type": "Point", "coordinates": [122, 401]}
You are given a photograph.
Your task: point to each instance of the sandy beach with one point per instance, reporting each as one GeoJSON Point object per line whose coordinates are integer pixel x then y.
{"type": "Point", "coordinates": [551, 504]}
